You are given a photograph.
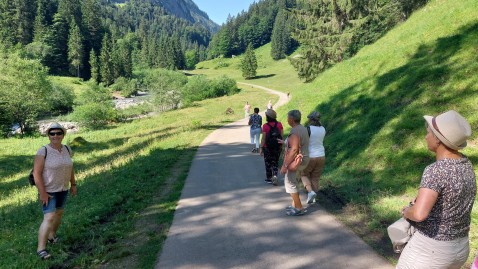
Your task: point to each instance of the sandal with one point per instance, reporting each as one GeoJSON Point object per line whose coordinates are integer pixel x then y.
{"type": "Point", "coordinates": [53, 240]}
{"type": "Point", "coordinates": [43, 254]}
{"type": "Point", "coordinates": [295, 212]}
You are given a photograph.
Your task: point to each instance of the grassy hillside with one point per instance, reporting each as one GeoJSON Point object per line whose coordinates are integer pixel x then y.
{"type": "Point", "coordinates": [129, 176]}
{"type": "Point", "coordinates": [372, 108]}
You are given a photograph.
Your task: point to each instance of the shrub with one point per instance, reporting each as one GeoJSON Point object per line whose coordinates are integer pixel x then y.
{"type": "Point", "coordinates": [223, 86]}
{"type": "Point", "coordinates": [94, 115]}
{"type": "Point", "coordinates": [61, 99]}
{"type": "Point", "coordinates": [195, 89]}
{"type": "Point", "coordinates": [125, 86]}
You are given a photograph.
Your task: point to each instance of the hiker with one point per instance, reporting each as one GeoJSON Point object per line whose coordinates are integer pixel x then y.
{"type": "Point", "coordinates": [441, 212]}
{"type": "Point", "coordinates": [255, 121]}
{"type": "Point", "coordinates": [247, 110]}
{"type": "Point", "coordinates": [296, 143]}
{"type": "Point", "coordinates": [313, 171]}
{"type": "Point", "coordinates": [271, 147]}
{"type": "Point", "coordinates": [53, 173]}
{"type": "Point", "coordinates": [269, 104]}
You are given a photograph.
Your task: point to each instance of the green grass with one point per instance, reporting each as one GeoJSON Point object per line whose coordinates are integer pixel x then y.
{"type": "Point", "coordinates": [122, 171]}
{"type": "Point", "coordinates": [372, 107]}
{"type": "Point", "coordinates": [77, 84]}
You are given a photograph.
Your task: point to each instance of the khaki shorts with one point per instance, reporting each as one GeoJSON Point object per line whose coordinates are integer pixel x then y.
{"type": "Point", "coordinates": [423, 252]}
{"type": "Point", "coordinates": [290, 181]}
{"type": "Point", "coordinates": [314, 168]}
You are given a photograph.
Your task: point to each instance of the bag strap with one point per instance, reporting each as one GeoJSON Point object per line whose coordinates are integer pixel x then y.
{"type": "Point", "coordinates": [67, 148]}
{"type": "Point", "coordinates": [46, 151]}
{"type": "Point", "coordinates": [308, 130]}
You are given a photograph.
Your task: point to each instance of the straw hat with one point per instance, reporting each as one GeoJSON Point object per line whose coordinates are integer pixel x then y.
{"type": "Point", "coordinates": [55, 125]}
{"type": "Point", "coordinates": [450, 128]}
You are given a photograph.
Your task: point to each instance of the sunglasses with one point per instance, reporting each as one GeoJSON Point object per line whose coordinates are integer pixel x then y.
{"type": "Point", "coordinates": [55, 133]}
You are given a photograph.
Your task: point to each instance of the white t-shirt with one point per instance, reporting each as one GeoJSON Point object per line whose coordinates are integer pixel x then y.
{"type": "Point", "coordinates": [316, 142]}
{"type": "Point", "coordinates": [57, 169]}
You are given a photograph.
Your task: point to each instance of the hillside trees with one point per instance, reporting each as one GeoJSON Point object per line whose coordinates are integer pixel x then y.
{"type": "Point", "coordinates": [252, 27]}
{"type": "Point", "coordinates": [330, 31]}
{"type": "Point", "coordinates": [249, 63]}
{"type": "Point", "coordinates": [281, 37]}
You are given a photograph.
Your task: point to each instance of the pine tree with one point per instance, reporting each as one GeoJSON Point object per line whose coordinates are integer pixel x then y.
{"type": "Point", "coordinates": [8, 25]}
{"type": "Point", "coordinates": [25, 17]}
{"type": "Point", "coordinates": [70, 10]}
{"type": "Point", "coordinates": [106, 63]}
{"type": "Point", "coordinates": [57, 38]}
{"type": "Point", "coordinates": [75, 48]}
{"type": "Point", "coordinates": [95, 68]}
{"type": "Point", "coordinates": [91, 19]}
{"type": "Point", "coordinates": [41, 22]}
{"type": "Point", "coordinates": [281, 39]}
{"type": "Point", "coordinates": [249, 63]}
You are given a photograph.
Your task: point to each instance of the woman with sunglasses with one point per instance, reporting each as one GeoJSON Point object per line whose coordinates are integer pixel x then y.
{"type": "Point", "coordinates": [54, 174]}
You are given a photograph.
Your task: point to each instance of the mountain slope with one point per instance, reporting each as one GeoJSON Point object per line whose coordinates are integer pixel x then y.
{"type": "Point", "coordinates": [188, 10]}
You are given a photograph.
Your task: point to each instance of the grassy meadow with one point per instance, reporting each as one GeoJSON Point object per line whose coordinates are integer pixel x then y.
{"type": "Point", "coordinates": [129, 176]}
{"type": "Point", "coordinates": [372, 107]}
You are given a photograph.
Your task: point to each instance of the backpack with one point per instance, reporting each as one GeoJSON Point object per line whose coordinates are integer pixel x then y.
{"type": "Point", "coordinates": [31, 178]}
{"type": "Point", "coordinates": [272, 136]}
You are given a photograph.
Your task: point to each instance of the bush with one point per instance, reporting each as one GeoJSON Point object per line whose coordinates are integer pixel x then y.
{"type": "Point", "coordinates": [195, 89]}
{"type": "Point", "coordinates": [125, 86]}
{"type": "Point", "coordinates": [166, 87]}
{"type": "Point", "coordinates": [94, 115]}
{"type": "Point", "coordinates": [61, 99]}
{"type": "Point", "coordinates": [95, 93]}
{"type": "Point", "coordinates": [223, 86]}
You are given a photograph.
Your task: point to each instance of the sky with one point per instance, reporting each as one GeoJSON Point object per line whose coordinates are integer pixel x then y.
{"type": "Point", "coordinates": [218, 10]}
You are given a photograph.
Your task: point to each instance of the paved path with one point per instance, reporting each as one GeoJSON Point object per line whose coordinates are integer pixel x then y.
{"type": "Point", "coordinates": [228, 217]}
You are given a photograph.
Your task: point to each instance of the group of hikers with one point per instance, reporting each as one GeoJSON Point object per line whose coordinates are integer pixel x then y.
{"type": "Point", "coordinates": [440, 213]}
{"type": "Point", "coordinates": [304, 152]}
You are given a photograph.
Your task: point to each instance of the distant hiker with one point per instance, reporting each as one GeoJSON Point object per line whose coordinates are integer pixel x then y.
{"type": "Point", "coordinates": [255, 121]}
{"type": "Point", "coordinates": [441, 212]}
{"type": "Point", "coordinates": [269, 105]}
{"type": "Point", "coordinates": [313, 171]}
{"type": "Point", "coordinates": [247, 110]}
{"type": "Point", "coordinates": [297, 143]}
{"type": "Point", "coordinates": [271, 145]}
{"type": "Point", "coordinates": [53, 173]}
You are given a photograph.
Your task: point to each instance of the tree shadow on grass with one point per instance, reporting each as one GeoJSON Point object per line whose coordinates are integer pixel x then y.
{"type": "Point", "coordinates": [356, 115]}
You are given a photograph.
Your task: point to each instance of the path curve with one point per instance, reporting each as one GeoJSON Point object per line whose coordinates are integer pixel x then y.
{"type": "Point", "coordinates": [228, 217]}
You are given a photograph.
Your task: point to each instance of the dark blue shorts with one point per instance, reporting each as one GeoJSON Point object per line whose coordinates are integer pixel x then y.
{"type": "Point", "coordinates": [55, 202]}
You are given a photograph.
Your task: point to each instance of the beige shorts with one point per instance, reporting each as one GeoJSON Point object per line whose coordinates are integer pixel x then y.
{"type": "Point", "coordinates": [423, 252]}
{"type": "Point", "coordinates": [314, 168]}
{"type": "Point", "coordinates": [290, 181]}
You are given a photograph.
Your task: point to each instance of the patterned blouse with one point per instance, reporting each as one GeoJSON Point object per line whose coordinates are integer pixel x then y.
{"type": "Point", "coordinates": [455, 182]}
{"type": "Point", "coordinates": [256, 121]}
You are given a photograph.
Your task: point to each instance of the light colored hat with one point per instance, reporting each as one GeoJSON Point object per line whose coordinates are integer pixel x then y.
{"type": "Point", "coordinates": [55, 125]}
{"type": "Point", "coordinates": [450, 128]}
{"type": "Point", "coordinates": [271, 114]}
{"type": "Point", "coordinates": [315, 116]}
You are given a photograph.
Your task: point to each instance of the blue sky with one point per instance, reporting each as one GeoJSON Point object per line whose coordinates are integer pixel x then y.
{"type": "Point", "coordinates": [218, 10]}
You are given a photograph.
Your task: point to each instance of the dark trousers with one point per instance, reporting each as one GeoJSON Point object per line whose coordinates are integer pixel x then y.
{"type": "Point", "coordinates": [271, 160]}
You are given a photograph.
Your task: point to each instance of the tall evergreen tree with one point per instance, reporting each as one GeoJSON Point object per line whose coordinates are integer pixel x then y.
{"type": "Point", "coordinates": [75, 48]}
{"type": "Point", "coordinates": [95, 67]}
{"type": "Point", "coordinates": [249, 63]}
{"type": "Point", "coordinates": [92, 23]}
{"type": "Point", "coordinates": [106, 62]}
{"type": "Point", "coordinates": [281, 37]}
{"type": "Point", "coordinates": [25, 17]}
{"type": "Point", "coordinates": [41, 22]}
{"type": "Point", "coordinates": [8, 26]}
{"type": "Point", "coordinates": [57, 38]}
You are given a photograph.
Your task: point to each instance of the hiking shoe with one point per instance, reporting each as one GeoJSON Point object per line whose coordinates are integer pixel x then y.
{"type": "Point", "coordinates": [43, 254]}
{"type": "Point", "coordinates": [268, 181]}
{"type": "Point", "coordinates": [253, 150]}
{"type": "Point", "coordinates": [274, 180]}
{"type": "Point", "coordinates": [311, 197]}
{"type": "Point", "coordinates": [295, 212]}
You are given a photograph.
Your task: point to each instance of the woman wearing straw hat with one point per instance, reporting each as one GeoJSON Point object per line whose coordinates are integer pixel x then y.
{"type": "Point", "coordinates": [441, 212]}
{"type": "Point", "coordinates": [53, 173]}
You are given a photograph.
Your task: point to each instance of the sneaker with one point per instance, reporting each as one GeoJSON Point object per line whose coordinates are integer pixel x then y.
{"type": "Point", "coordinates": [295, 212]}
{"type": "Point", "coordinates": [311, 197]}
{"type": "Point", "coordinates": [274, 180]}
{"type": "Point", "coordinates": [253, 150]}
{"type": "Point", "coordinates": [268, 181]}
